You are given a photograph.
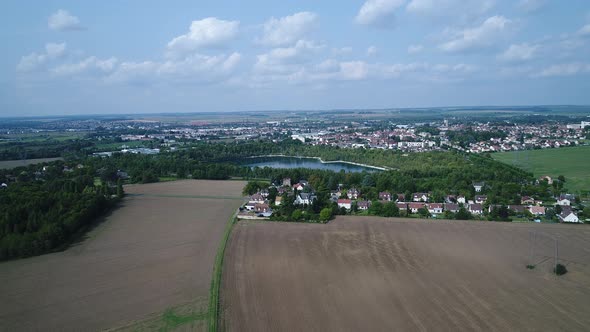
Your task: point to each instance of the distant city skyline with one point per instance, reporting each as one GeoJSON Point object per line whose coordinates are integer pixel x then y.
{"type": "Point", "coordinates": [72, 57]}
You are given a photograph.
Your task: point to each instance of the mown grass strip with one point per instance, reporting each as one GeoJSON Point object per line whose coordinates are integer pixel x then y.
{"type": "Point", "coordinates": [216, 279]}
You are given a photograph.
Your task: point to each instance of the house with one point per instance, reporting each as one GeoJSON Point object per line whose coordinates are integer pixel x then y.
{"type": "Point", "coordinates": [414, 207]}
{"type": "Point", "coordinates": [494, 206]}
{"type": "Point", "coordinates": [435, 208]}
{"type": "Point", "coordinates": [478, 186]}
{"type": "Point", "coordinates": [565, 199]}
{"type": "Point", "coordinates": [3, 185]}
{"type": "Point", "coordinates": [401, 197]}
{"type": "Point", "coordinates": [537, 210]}
{"type": "Point", "coordinates": [256, 199]}
{"type": "Point", "coordinates": [568, 216]}
{"type": "Point", "coordinates": [353, 193]}
{"type": "Point", "coordinates": [385, 196]}
{"type": "Point", "coordinates": [402, 206]}
{"type": "Point", "coordinates": [264, 193]}
{"type": "Point", "coordinates": [304, 183]}
{"type": "Point", "coordinates": [476, 208]}
{"type": "Point", "coordinates": [287, 182]}
{"type": "Point", "coordinates": [461, 199]}
{"type": "Point", "coordinates": [451, 199]}
{"type": "Point", "coordinates": [278, 200]}
{"type": "Point", "coordinates": [122, 175]}
{"type": "Point", "coordinates": [518, 209]}
{"type": "Point", "coordinates": [480, 199]}
{"type": "Point", "coordinates": [304, 199]}
{"type": "Point", "coordinates": [363, 205]}
{"type": "Point", "coordinates": [298, 186]}
{"type": "Point", "coordinates": [420, 197]}
{"type": "Point", "coordinates": [282, 190]}
{"type": "Point", "coordinates": [335, 193]}
{"type": "Point", "coordinates": [527, 200]}
{"type": "Point", "coordinates": [452, 207]}
{"type": "Point", "coordinates": [345, 203]}
{"type": "Point", "coordinates": [546, 178]}
{"type": "Point", "coordinates": [261, 208]}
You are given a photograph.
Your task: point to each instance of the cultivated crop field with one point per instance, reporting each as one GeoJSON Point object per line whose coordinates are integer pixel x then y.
{"type": "Point", "coordinates": [376, 274]}
{"type": "Point", "coordinates": [573, 163]}
{"type": "Point", "coordinates": [5, 164]}
{"type": "Point", "coordinates": [148, 266]}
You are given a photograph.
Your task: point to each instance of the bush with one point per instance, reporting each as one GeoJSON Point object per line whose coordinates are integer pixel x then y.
{"type": "Point", "coordinates": [560, 269]}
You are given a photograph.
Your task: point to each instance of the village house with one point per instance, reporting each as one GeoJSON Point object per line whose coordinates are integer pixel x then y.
{"type": "Point", "coordinates": [401, 198]}
{"type": "Point", "coordinates": [261, 208]}
{"type": "Point", "coordinates": [278, 200]}
{"type": "Point", "coordinates": [537, 210]}
{"type": "Point", "coordinates": [257, 199]}
{"type": "Point", "coordinates": [435, 208]}
{"type": "Point", "coordinates": [414, 207]}
{"type": "Point", "coordinates": [568, 216]}
{"type": "Point", "coordinates": [298, 186]}
{"type": "Point", "coordinates": [565, 199]}
{"type": "Point", "coordinates": [385, 196]}
{"type": "Point", "coordinates": [478, 186]}
{"type": "Point", "coordinates": [250, 206]}
{"type": "Point", "coordinates": [518, 209]}
{"type": "Point", "coordinates": [345, 203]}
{"type": "Point", "coordinates": [452, 207]}
{"type": "Point", "coordinates": [546, 178]}
{"type": "Point", "coordinates": [476, 208]}
{"type": "Point", "coordinates": [451, 199]}
{"type": "Point", "coordinates": [480, 199]}
{"type": "Point", "coordinates": [402, 206]}
{"type": "Point", "coordinates": [304, 199]}
{"type": "Point", "coordinates": [363, 205]}
{"type": "Point", "coordinates": [461, 199]}
{"type": "Point", "coordinates": [353, 193]}
{"type": "Point", "coordinates": [420, 197]}
{"type": "Point", "coordinates": [287, 182]}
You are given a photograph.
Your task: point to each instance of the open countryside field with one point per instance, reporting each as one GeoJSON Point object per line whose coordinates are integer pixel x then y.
{"type": "Point", "coordinates": [148, 266]}
{"type": "Point", "coordinates": [573, 163]}
{"type": "Point", "coordinates": [377, 274]}
{"type": "Point", "coordinates": [17, 163]}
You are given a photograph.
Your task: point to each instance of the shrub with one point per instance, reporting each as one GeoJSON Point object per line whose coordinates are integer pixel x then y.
{"type": "Point", "coordinates": [560, 269]}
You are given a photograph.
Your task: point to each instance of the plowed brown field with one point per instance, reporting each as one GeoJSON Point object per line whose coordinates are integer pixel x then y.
{"type": "Point", "coordinates": [151, 256]}
{"type": "Point", "coordinates": [374, 274]}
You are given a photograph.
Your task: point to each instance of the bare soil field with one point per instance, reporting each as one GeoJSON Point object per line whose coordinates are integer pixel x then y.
{"type": "Point", "coordinates": [5, 164]}
{"type": "Point", "coordinates": [377, 274]}
{"type": "Point", "coordinates": [148, 266]}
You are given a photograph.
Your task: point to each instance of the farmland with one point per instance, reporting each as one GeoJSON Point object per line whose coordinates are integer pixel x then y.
{"type": "Point", "coordinates": [6, 164]}
{"type": "Point", "coordinates": [147, 266]}
{"type": "Point", "coordinates": [364, 273]}
{"type": "Point", "coordinates": [569, 162]}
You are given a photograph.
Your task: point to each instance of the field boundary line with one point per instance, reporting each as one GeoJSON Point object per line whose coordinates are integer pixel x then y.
{"type": "Point", "coordinates": [216, 279]}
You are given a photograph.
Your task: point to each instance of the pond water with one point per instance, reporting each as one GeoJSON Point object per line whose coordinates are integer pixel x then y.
{"type": "Point", "coordinates": [301, 162]}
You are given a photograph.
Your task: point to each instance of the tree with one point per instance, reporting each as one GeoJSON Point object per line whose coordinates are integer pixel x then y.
{"type": "Point", "coordinates": [463, 214]}
{"type": "Point", "coordinates": [120, 192]}
{"type": "Point", "coordinates": [423, 212]}
{"type": "Point", "coordinates": [325, 214]}
{"type": "Point", "coordinates": [296, 215]}
{"type": "Point", "coordinates": [390, 209]}
{"type": "Point", "coordinates": [376, 208]}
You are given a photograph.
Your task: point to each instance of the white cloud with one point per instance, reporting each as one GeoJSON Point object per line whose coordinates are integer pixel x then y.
{"type": "Point", "coordinates": [455, 9]}
{"type": "Point", "coordinates": [378, 12]}
{"type": "Point", "coordinates": [566, 69]}
{"type": "Point", "coordinates": [34, 60]}
{"type": "Point", "coordinates": [584, 31]}
{"type": "Point", "coordinates": [413, 49]}
{"type": "Point", "coordinates": [531, 5]}
{"type": "Point", "coordinates": [354, 70]}
{"type": "Point", "coordinates": [62, 20]}
{"type": "Point", "coordinates": [205, 33]}
{"type": "Point", "coordinates": [372, 50]}
{"type": "Point", "coordinates": [90, 64]}
{"type": "Point", "coordinates": [284, 59]}
{"type": "Point", "coordinates": [196, 68]}
{"type": "Point", "coordinates": [287, 30]}
{"type": "Point", "coordinates": [519, 52]}
{"type": "Point", "coordinates": [479, 37]}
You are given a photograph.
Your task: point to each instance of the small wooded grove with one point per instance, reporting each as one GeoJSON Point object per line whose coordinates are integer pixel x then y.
{"type": "Point", "coordinates": [43, 212]}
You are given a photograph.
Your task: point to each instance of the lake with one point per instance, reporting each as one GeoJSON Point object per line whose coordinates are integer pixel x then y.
{"type": "Point", "coordinates": [302, 162]}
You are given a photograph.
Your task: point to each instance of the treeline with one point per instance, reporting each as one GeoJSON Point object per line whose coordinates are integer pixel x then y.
{"type": "Point", "coordinates": [41, 149]}
{"type": "Point", "coordinates": [43, 211]}
{"type": "Point", "coordinates": [466, 137]}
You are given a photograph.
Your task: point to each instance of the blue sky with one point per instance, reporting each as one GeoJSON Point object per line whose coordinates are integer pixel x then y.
{"type": "Point", "coordinates": [81, 57]}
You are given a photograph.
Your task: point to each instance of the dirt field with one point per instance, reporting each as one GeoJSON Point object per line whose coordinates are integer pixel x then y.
{"type": "Point", "coordinates": [16, 163]}
{"type": "Point", "coordinates": [150, 261]}
{"type": "Point", "coordinates": [374, 274]}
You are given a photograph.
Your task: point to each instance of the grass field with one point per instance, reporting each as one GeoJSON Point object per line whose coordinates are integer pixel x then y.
{"type": "Point", "coordinates": [377, 274]}
{"type": "Point", "coordinates": [16, 163]}
{"type": "Point", "coordinates": [148, 266]}
{"type": "Point", "coordinates": [573, 163]}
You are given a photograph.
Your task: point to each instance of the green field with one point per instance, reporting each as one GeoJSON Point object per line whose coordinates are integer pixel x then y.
{"type": "Point", "coordinates": [573, 163]}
